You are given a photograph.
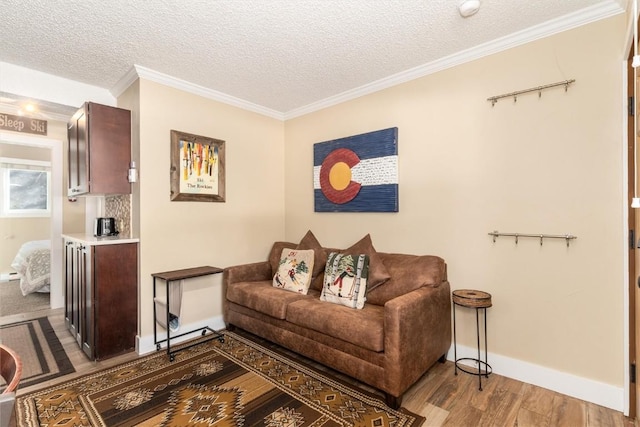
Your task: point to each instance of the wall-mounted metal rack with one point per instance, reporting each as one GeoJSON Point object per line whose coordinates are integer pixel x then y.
{"type": "Point", "coordinates": [538, 89]}
{"type": "Point", "coordinates": [567, 237]}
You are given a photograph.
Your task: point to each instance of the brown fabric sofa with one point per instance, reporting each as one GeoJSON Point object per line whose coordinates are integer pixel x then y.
{"type": "Point", "coordinates": [403, 329]}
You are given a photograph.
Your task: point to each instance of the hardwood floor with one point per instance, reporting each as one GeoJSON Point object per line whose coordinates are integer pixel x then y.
{"type": "Point", "coordinates": [443, 398]}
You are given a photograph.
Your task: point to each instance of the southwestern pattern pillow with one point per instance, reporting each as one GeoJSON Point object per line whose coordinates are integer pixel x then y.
{"type": "Point", "coordinates": [294, 270]}
{"type": "Point", "coordinates": [345, 279]}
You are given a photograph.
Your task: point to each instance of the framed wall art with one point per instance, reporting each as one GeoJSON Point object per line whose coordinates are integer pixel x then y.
{"type": "Point", "coordinates": [197, 168]}
{"type": "Point", "coordinates": [358, 173]}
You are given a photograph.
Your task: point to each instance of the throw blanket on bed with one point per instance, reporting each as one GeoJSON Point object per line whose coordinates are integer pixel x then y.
{"type": "Point", "coordinates": [33, 262]}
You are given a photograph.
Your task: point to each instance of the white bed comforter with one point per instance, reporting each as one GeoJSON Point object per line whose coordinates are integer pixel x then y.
{"type": "Point", "coordinates": [33, 263]}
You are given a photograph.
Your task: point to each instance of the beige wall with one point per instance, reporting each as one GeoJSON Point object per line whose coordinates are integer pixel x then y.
{"type": "Point", "coordinates": [551, 165]}
{"type": "Point", "coordinates": [176, 235]}
{"type": "Point", "coordinates": [16, 231]}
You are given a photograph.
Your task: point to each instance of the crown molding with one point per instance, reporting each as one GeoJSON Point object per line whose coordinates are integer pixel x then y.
{"type": "Point", "coordinates": [138, 71]}
{"type": "Point", "coordinates": [125, 81]}
{"type": "Point", "coordinates": [567, 22]}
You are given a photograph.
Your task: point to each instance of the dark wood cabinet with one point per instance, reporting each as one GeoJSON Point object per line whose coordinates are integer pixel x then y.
{"type": "Point", "coordinates": [99, 150]}
{"type": "Point", "coordinates": [78, 315]}
{"type": "Point", "coordinates": [71, 303]}
{"type": "Point", "coordinates": [101, 303]}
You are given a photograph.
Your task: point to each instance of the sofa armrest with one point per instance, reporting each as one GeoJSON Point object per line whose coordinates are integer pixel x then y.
{"type": "Point", "coordinates": [254, 272]}
{"type": "Point", "coordinates": [248, 272]}
{"type": "Point", "coordinates": [417, 332]}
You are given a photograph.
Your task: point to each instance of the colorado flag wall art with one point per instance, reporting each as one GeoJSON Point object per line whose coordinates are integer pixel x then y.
{"type": "Point", "coordinates": [357, 174]}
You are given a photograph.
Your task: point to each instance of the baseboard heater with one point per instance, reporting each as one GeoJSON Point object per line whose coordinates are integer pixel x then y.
{"type": "Point", "coordinates": [5, 277]}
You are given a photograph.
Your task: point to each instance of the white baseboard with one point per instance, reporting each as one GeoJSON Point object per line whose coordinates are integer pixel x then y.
{"type": "Point", "coordinates": [145, 344]}
{"type": "Point", "coordinates": [579, 387]}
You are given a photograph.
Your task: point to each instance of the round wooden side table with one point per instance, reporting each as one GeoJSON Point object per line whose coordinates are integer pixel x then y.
{"type": "Point", "coordinates": [479, 300]}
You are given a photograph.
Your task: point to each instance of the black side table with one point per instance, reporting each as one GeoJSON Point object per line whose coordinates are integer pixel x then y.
{"type": "Point", "coordinates": [479, 300]}
{"type": "Point", "coordinates": [172, 276]}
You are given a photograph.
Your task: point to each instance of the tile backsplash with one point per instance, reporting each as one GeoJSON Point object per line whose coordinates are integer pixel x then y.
{"type": "Point", "coordinates": [119, 207]}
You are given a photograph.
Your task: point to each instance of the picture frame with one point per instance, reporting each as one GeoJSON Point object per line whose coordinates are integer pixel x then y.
{"type": "Point", "coordinates": [197, 168]}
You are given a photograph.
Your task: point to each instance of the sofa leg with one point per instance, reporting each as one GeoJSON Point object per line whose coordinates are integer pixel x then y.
{"type": "Point", "coordinates": [443, 358]}
{"type": "Point", "coordinates": [231, 327]}
{"type": "Point", "coordinates": [393, 402]}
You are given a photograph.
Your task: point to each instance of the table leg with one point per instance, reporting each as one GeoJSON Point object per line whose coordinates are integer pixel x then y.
{"type": "Point", "coordinates": [168, 283]}
{"type": "Point", "coordinates": [155, 330]}
{"type": "Point", "coordinates": [478, 343]}
{"type": "Point", "coordinates": [455, 352]}
{"type": "Point", "coordinates": [486, 350]}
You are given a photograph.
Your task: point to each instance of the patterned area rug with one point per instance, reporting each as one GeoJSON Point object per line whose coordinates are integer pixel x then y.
{"type": "Point", "coordinates": [235, 383]}
{"type": "Point", "coordinates": [42, 354]}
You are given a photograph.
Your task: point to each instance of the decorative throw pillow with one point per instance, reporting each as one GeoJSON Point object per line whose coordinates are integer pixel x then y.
{"type": "Point", "coordinates": [345, 279]}
{"type": "Point", "coordinates": [309, 241]}
{"type": "Point", "coordinates": [276, 252]}
{"type": "Point", "coordinates": [378, 273]}
{"type": "Point", "coordinates": [294, 270]}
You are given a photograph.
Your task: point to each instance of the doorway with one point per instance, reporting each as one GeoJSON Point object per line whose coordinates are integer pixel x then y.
{"type": "Point", "coordinates": [56, 297]}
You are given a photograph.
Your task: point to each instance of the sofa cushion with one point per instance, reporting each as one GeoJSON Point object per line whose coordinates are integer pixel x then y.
{"type": "Point", "coordinates": [262, 297]}
{"type": "Point", "coordinates": [309, 241]}
{"type": "Point", "coordinates": [378, 273]}
{"type": "Point", "coordinates": [346, 279]}
{"type": "Point", "coordinates": [408, 272]}
{"type": "Point", "coordinates": [364, 328]}
{"type": "Point", "coordinates": [294, 272]}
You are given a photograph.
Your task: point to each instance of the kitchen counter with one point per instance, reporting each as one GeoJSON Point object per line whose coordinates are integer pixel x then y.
{"type": "Point", "coordinates": [91, 240]}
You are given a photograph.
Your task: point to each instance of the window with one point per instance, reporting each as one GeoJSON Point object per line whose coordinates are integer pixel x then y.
{"type": "Point", "coordinates": [26, 188]}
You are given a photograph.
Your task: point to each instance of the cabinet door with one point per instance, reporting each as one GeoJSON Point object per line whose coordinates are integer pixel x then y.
{"type": "Point", "coordinates": [70, 305]}
{"type": "Point", "coordinates": [86, 301]}
{"type": "Point", "coordinates": [79, 292]}
{"type": "Point", "coordinates": [109, 133]}
{"type": "Point", "coordinates": [116, 298]}
{"type": "Point", "coordinates": [78, 154]}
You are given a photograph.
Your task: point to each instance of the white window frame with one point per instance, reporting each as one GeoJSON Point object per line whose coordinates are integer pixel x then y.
{"type": "Point", "coordinates": [8, 164]}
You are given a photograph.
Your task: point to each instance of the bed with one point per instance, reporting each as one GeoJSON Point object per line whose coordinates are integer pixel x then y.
{"type": "Point", "coordinates": [33, 264]}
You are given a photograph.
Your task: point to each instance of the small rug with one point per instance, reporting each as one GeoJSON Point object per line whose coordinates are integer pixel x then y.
{"type": "Point", "coordinates": [42, 354]}
{"type": "Point", "coordinates": [13, 302]}
{"type": "Point", "coordinates": [235, 383]}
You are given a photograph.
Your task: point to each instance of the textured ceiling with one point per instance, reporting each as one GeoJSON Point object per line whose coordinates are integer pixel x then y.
{"type": "Point", "coordinates": [281, 55]}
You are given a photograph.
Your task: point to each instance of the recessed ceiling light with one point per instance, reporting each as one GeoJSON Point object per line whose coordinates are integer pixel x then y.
{"type": "Point", "coordinates": [469, 7]}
